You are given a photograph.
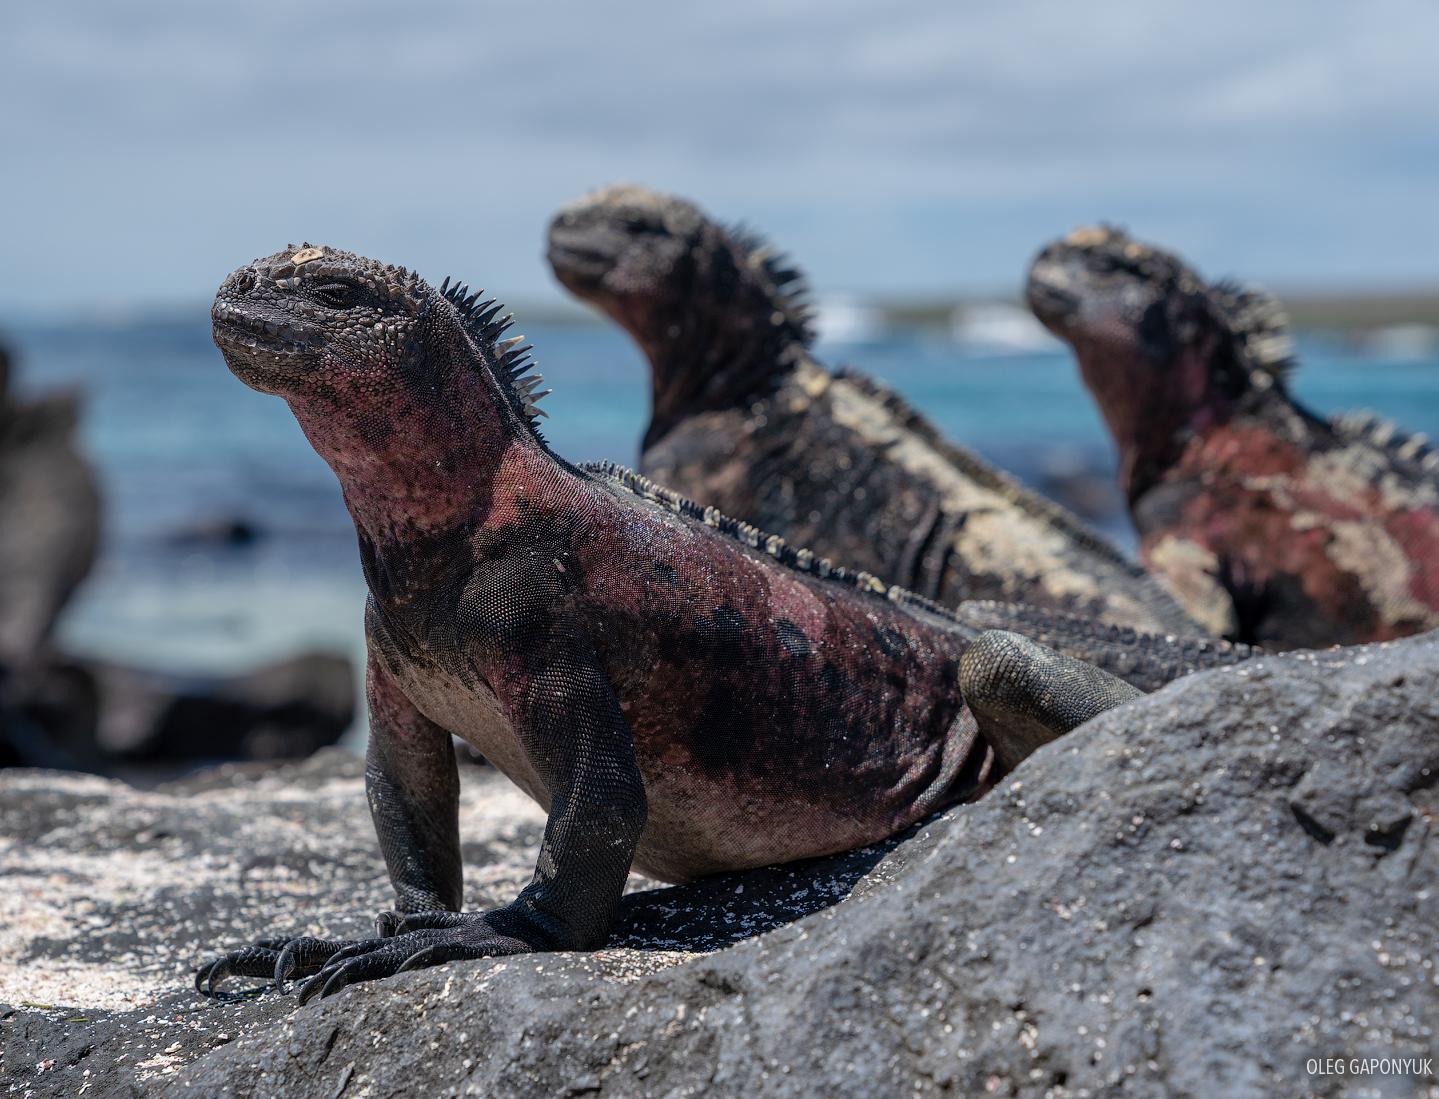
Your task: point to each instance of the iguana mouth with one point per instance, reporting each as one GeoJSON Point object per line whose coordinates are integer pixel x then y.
{"type": "Point", "coordinates": [577, 252]}
{"type": "Point", "coordinates": [241, 331]}
{"type": "Point", "coordinates": [1048, 293]}
{"type": "Point", "coordinates": [571, 263]}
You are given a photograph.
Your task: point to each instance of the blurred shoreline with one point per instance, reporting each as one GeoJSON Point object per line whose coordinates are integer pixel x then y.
{"type": "Point", "coordinates": [226, 542]}
{"type": "Point", "coordinates": [1310, 310]}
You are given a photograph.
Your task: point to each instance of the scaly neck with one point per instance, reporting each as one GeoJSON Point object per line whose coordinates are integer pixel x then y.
{"type": "Point", "coordinates": [724, 341]}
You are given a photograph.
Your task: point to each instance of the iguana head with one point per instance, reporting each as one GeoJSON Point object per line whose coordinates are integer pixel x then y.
{"type": "Point", "coordinates": [1161, 349]}
{"type": "Point", "coordinates": [384, 371]}
{"type": "Point", "coordinates": [717, 311]}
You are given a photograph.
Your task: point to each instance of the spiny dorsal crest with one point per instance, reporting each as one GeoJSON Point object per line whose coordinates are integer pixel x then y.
{"type": "Point", "coordinates": [1407, 446]}
{"type": "Point", "coordinates": [516, 369]}
{"type": "Point", "coordinates": [1261, 327]}
{"type": "Point", "coordinates": [786, 283]}
{"type": "Point", "coordinates": [802, 560]}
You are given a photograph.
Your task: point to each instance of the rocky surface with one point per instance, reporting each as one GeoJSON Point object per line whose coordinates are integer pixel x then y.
{"type": "Point", "coordinates": [1194, 894]}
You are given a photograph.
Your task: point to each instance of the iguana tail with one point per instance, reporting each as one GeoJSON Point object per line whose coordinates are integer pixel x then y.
{"type": "Point", "coordinates": [1147, 661]}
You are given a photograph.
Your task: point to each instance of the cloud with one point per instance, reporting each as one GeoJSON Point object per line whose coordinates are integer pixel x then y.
{"type": "Point", "coordinates": [151, 147]}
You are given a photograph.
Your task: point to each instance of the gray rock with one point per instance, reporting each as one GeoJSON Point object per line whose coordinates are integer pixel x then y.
{"type": "Point", "coordinates": [1195, 894]}
{"type": "Point", "coordinates": [287, 709]}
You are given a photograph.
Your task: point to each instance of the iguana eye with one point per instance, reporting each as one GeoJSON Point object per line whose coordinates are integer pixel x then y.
{"type": "Point", "coordinates": [1106, 263]}
{"type": "Point", "coordinates": [641, 225]}
{"type": "Point", "coordinates": [337, 295]}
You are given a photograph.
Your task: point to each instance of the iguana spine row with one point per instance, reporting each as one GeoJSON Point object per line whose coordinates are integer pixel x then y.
{"type": "Point", "coordinates": [1408, 446]}
{"type": "Point", "coordinates": [802, 560]}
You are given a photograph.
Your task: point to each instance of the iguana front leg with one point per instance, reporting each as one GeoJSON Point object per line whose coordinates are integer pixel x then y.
{"type": "Point", "coordinates": [1023, 695]}
{"type": "Point", "coordinates": [413, 788]}
{"type": "Point", "coordinates": [571, 726]}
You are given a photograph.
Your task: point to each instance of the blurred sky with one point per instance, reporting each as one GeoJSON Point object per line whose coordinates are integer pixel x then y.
{"type": "Point", "coordinates": [926, 147]}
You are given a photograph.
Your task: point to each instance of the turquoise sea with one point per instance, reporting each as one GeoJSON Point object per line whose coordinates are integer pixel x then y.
{"type": "Point", "coordinates": [180, 443]}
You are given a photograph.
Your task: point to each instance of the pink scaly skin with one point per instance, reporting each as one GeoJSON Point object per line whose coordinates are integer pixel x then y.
{"type": "Point", "coordinates": [681, 693]}
{"type": "Point", "coordinates": [1274, 526]}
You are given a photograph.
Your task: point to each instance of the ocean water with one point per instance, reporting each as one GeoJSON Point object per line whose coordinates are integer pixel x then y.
{"type": "Point", "coordinates": [180, 444]}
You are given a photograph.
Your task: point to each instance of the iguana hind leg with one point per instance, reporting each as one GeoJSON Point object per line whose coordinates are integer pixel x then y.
{"type": "Point", "coordinates": [1024, 695]}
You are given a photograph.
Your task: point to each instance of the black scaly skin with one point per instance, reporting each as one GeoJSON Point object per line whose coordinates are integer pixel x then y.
{"type": "Point", "coordinates": [1143, 660]}
{"type": "Point", "coordinates": [682, 692]}
{"type": "Point", "coordinates": [743, 418]}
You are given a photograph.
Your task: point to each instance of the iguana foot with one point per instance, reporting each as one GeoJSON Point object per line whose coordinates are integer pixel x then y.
{"type": "Point", "coordinates": [407, 942]}
{"type": "Point", "coordinates": [1023, 694]}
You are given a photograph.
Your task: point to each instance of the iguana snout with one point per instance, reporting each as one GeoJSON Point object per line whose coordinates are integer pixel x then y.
{"type": "Point", "coordinates": [288, 322]}
{"type": "Point", "coordinates": [1101, 278]}
{"type": "Point", "coordinates": [621, 242]}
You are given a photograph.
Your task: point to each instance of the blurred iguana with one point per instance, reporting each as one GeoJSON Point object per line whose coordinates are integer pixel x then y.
{"type": "Point", "coordinates": [49, 534]}
{"type": "Point", "coordinates": [1272, 524]}
{"type": "Point", "coordinates": [49, 518]}
{"type": "Point", "coordinates": [744, 419]}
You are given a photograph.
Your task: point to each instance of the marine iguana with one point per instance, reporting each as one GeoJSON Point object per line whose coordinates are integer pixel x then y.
{"type": "Point", "coordinates": [49, 534]}
{"type": "Point", "coordinates": [50, 531]}
{"type": "Point", "coordinates": [1272, 524]}
{"type": "Point", "coordinates": [744, 419]}
{"type": "Point", "coordinates": [680, 691]}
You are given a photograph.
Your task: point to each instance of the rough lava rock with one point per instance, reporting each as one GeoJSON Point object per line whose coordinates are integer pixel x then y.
{"type": "Point", "coordinates": [1195, 894]}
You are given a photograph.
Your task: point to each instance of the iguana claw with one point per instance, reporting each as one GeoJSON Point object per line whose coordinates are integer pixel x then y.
{"type": "Point", "coordinates": [467, 937]}
{"type": "Point", "coordinates": [405, 941]}
{"type": "Point", "coordinates": [256, 960]}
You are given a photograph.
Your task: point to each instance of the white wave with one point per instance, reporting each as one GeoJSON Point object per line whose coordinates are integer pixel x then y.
{"type": "Point", "coordinates": [997, 328]}
{"type": "Point", "coordinates": [839, 319]}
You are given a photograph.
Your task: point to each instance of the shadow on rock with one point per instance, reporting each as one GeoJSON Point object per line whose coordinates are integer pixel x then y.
{"type": "Point", "coordinates": [717, 912]}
